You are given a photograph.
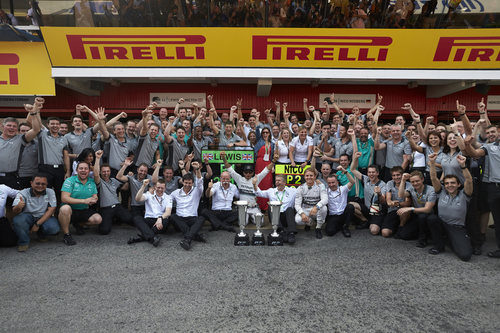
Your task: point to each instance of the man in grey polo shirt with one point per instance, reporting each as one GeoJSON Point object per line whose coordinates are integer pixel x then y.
{"type": "Point", "coordinates": [79, 139]}
{"type": "Point", "coordinates": [452, 211]}
{"type": "Point", "coordinates": [398, 150]}
{"type": "Point", "coordinates": [227, 139]}
{"type": "Point", "coordinates": [149, 140]}
{"type": "Point", "coordinates": [179, 145]}
{"type": "Point", "coordinates": [12, 144]}
{"type": "Point", "coordinates": [116, 146]}
{"type": "Point", "coordinates": [28, 166]}
{"type": "Point", "coordinates": [36, 206]}
{"type": "Point", "coordinates": [110, 207]}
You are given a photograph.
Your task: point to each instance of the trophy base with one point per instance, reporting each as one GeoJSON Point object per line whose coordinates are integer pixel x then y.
{"type": "Point", "coordinates": [274, 241]}
{"type": "Point", "coordinates": [258, 240]}
{"type": "Point", "coordinates": [241, 240]}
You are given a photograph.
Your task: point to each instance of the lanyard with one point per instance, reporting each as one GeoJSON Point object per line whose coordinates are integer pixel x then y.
{"type": "Point", "coordinates": [282, 196]}
{"type": "Point", "coordinates": [158, 200]}
{"type": "Point", "coordinates": [225, 192]}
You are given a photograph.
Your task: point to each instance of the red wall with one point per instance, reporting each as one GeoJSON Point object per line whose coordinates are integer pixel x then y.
{"type": "Point", "coordinates": [132, 98]}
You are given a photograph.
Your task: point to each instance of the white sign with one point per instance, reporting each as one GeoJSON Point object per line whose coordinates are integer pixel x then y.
{"type": "Point", "coordinates": [16, 101]}
{"type": "Point", "coordinates": [169, 100]}
{"type": "Point", "coordinates": [493, 102]}
{"type": "Point", "coordinates": [347, 101]}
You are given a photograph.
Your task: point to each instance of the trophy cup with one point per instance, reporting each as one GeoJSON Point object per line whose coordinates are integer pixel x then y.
{"type": "Point", "coordinates": [258, 238]}
{"type": "Point", "coordinates": [242, 239]}
{"type": "Point", "coordinates": [275, 239]}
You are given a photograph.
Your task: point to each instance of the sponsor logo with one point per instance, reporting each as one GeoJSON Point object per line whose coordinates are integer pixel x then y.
{"type": "Point", "coordinates": [469, 49]}
{"type": "Point", "coordinates": [320, 48]}
{"type": "Point", "coordinates": [137, 47]}
{"type": "Point", "coordinates": [11, 60]}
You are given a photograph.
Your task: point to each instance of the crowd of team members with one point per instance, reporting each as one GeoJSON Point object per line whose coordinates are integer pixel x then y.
{"type": "Point", "coordinates": [428, 182]}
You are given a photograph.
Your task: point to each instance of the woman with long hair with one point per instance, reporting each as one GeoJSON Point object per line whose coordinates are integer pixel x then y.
{"type": "Point", "coordinates": [431, 144]}
{"type": "Point", "coordinates": [282, 146]}
{"type": "Point", "coordinates": [264, 152]}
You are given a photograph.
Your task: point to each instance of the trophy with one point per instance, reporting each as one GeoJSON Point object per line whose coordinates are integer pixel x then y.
{"type": "Point", "coordinates": [242, 239]}
{"type": "Point", "coordinates": [258, 238]}
{"type": "Point", "coordinates": [275, 239]}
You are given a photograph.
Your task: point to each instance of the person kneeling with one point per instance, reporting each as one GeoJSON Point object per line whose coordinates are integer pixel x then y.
{"type": "Point", "coordinates": [158, 209]}
{"type": "Point", "coordinates": [340, 213]}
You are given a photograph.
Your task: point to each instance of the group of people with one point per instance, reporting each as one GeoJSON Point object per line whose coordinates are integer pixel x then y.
{"type": "Point", "coordinates": [421, 180]}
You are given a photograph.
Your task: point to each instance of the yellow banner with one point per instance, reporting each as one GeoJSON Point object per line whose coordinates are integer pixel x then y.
{"type": "Point", "coordinates": [273, 47]}
{"type": "Point", "coordinates": [25, 69]}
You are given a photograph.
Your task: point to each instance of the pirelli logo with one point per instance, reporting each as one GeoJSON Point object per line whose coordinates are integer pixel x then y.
{"type": "Point", "coordinates": [320, 48]}
{"type": "Point", "coordinates": [468, 49]}
{"type": "Point", "coordinates": [9, 74]}
{"type": "Point", "coordinates": [136, 47]}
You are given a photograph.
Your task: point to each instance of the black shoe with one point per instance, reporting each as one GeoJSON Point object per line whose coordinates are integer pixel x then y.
{"type": "Point", "coordinates": [186, 244]}
{"type": "Point", "coordinates": [291, 238]}
{"type": "Point", "coordinates": [435, 251]}
{"type": "Point", "coordinates": [137, 239]}
{"type": "Point", "coordinates": [477, 251]}
{"type": "Point", "coordinates": [307, 228]}
{"type": "Point", "coordinates": [228, 228]}
{"type": "Point", "coordinates": [319, 234]}
{"type": "Point", "coordinates": [494, 254]}
{"type": "Point", "coordinates": [284, 236]}
{"type": "Point", "coordinates": [79, 229]}
{"type": "Point", "coordinates": [346, 232]}
{"type": "Point", "coordinates": [363, 225]}
{"type": "Point", "coordinates": [68, 240]}
{"type": "Point", "coordinates": [422, 243]}
{"type": "Point", "coordinates": [200, 238]}
{"type": "Point", "coordinates": [155, 241]}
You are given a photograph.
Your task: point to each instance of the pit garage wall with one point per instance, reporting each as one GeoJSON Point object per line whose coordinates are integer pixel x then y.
{"type": "Point", "coordinates": [133, 97]}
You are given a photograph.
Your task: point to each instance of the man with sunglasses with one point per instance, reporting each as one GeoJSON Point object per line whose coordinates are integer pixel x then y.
{"type": "Point", "coordinates": [35, 207]}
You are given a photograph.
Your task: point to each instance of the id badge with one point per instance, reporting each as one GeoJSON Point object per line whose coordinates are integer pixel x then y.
{"type": "Point", "coordinates": [266, 157]}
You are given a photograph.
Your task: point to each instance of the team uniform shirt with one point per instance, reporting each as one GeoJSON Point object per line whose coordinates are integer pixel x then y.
{"type": "Point", "coordinates": [427, 151]}
{"type": "Point", "coordinates": [301, 149]}
{"type": "Point", "coordinates": [367, 149]}
{"type": "Point", "coordinates": [452, 210]}
{"type": "Point", "coordinates": [108, 192]}
{"type": "Point", "coordinates": [28, 166]}
{"type": "Point", "coordinates": [135, 185]}
{"type": "Point", "coordinates": [222, 199]}
{"type": "Point", "coordinates": [50, 148]}
{"type": "Point", "coordinates": [340, 149]}
{"type": "Point", "coordinates": [179, 151]}
{"type": "Point", "coordinates": [450, 166]}
{"type": "Point", "coordinates": [310, 196]}
{"type": "Point", "coordinates": [171, 185]}
{"type": "Point", "coordinates": [245, 187]}
{"type": "Point", "coordinates": [419, 199]}
{"type": "Point", "coordinates": [11, 152]}
{"type": "Point", "coordinates": [369, 191]}
{"type": "Point", "coordinates": [337, 200]}
{"type": "Point", "coordinates": [198, 145]}
{"type": "Point", "coordinates": [118, 151]}
{"type": "Point", "coordinates": [36, 206]}
{"type": "Point", "coordinates": [286, 197]}
{"type": "Point", "coordinates": [391, 187]}
{"type": "Point", "coordinates": [224, 141]}
{"type": "Point", "coordinates": [6, 192]}
{"type": "Point", "coordinates": [78, 142]}
{"type": "Point", "coordinates": [283, 152]}
{"type": "Point", "coordinates": [155, 205]}
{"type": "Point", "coordinates": [257, 130]}
{"type": "Point", "coordinates": [77, 190]}
{"type": "Point", "coordinates": [187, 203]}
{"type": "Point", "coordinates": [395, 152]}
{"type": "Point", "coordinates": [132, 143]}
{"type": "Point", "coordinates": [357, 189]}
{"type": "Point", "coordinates": [491, 172]}
{"type": "Point", "coordinates": [146, 150]}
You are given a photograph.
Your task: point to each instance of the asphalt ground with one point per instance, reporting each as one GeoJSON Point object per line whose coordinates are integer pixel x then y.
{"type": "Point", "coordinates": [336, 284]}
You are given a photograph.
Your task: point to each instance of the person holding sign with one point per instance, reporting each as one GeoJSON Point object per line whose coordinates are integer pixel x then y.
{"type": "Point", "coordinates": [311, 202]}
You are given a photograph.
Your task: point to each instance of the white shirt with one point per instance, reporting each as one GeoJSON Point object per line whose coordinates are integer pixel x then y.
{"type": "Point", "coordinates": [337, 200]}
{"type": "Point", "coordinates": [419, 158]}
{"type": "Point", "coordinates": [222, 199]}
{"type": "Point", "coordinates": [245, 187]}
{"type": "Point", "coordinates": [6, 192]}
{"type": "Point", "coordinates": [300, 153]}
{"type": "Point", "coordinates": [287, 196]}
{"type": "Point", "coordinates": [187, 203]}
{"type": "Point", "coordinates": [156, 206]}
{"type": "Point", "coordinates": [283, 152]}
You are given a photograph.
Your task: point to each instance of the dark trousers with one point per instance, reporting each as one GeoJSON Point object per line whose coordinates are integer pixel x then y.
{"type": "Point", "coordinates": [109, 213]}
{"type": "Point", "coordinates": [24, 182]}
{"type": "Point", "coordinates": [460, 241]}
{"type": "Point", "coordinates": [415, 228]}
{"type": "Point", "coordinates": [472, 222]}
{"type": "Point", "coordinates": [55, 177]}
{"type": "Point", "coordinates": [373, 219]}
{"type": "Point", "coordinates": [190, 226]}
{"type": "Point", "coordinates": [220, 218]}
{"type": "Point", "coordinates": [391, 221]}
{"type": "Point", "coordinates": [11, 180]}
{"type": "Point", "coordinates": [493, 192]}
{"type": "Point", "coordinates": [335, 223]}
{"type": "Point", "coordinates": [146, 226]}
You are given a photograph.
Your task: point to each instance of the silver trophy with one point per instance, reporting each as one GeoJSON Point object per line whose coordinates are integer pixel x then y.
{"type": "Point", "coordinates": [275, 239]}
{"type": "Point", "coordinates": [242, 239]}
{"type": "Point", "coordinates": [258, 238]}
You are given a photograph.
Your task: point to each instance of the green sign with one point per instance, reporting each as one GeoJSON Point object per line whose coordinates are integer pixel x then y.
{"type": "Point", "coordinates": [294, 174]}
{"type": "Point", "coordinates": [232, 156]}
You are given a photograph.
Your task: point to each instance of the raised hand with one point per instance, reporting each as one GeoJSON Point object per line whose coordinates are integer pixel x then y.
{"type": "Point", "coordinates": [100, 113]}
{"type": "Point", "coordinates": [210, 98]}
{"type": "Point", "coordinates": [145, 182]}
{"type": "Point", "coordinates": [481, 107]}
{"type": "Point", "coordinates": [128, 161]}
{"type": "Point", "coordinates": [21, 202]}
{"type": "Point", "coordinates": [460, 108]}
{"type": "Point", "coordinates": [211, 184]}
{"type": "Point", "coordinates": [350, 132]}
{"type": "Point", "coordinates": [379, 98]}
{"type": "Point", "coordinates": [98, 154]}
{"type": "Point", "coordinates": [159, 162]}
{"type": "Point", "coordinates": [254, 180]}
{"type": "Point", "coordinates": [234, 108]}
{"type": "Point", "coordinates": [461, 160]}
{"type": "Point", "coordinates": [406, 176]}
{"type": "Point", "coordinates": [238, 102]}
{"type": "Point", "coordinates": [276, 103]}
{"type": "Point", "coordinates": [429, 119]}
{"type": "Point", "coordinates": [285, 104]}
{"type": "Point", "coordinates": [305, 100]}
{"type": "Point", "coordinates": [181, 100]}
{"type": "Point", "coordinates": [123, 115]}
{"type": "Point", "coordinates": [341, 169]}
{"type": "Point", "coordinates": [432, 158]}
{"type": "Point", "coordinates": [195, 165]}
{"type": "Point", "coordinates": [181, 164]}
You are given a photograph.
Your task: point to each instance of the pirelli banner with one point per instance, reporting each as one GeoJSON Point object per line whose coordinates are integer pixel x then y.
{"type": "Point", "coordinates": [273, 47]}
{"type": "Point", "coordinates": [25, 69]}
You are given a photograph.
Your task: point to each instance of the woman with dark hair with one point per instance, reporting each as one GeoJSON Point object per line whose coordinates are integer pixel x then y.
{"type": "Point", "coordinates": [264, 152]}
{"type": "Point", "coordinates": [87, 155]}
{"type": "Point", "coordinates": [432, 144]}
